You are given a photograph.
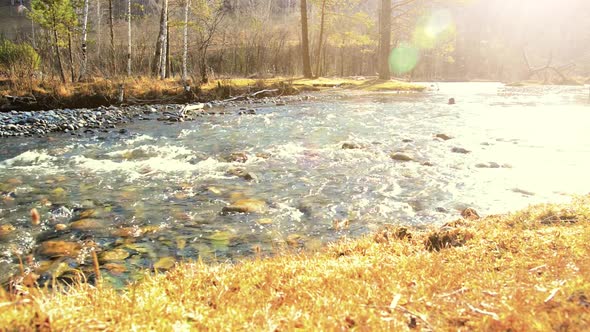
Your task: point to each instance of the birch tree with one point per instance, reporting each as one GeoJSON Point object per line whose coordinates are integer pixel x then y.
{"type": "Point", "coordinates": [112, 33]}
{"type": "Point", "coordinates": [128, 37]}
{"type": "Point", "coordinates": [384, 39]}
{"type": "Point", "coordinates": [187, 4]}
{"type": "Point", "coordinates": [305, 41]}
{"type": "Point", "coordinates": [84, 43]}
{"type": "Point", "coordinates": [161, 44]}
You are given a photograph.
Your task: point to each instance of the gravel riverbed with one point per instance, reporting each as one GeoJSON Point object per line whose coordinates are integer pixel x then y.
{"type": "Point", "coordinates": [81, 121]}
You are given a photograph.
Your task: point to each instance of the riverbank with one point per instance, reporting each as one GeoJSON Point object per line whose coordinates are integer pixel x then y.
{"type": "Point", "coordinates": [46, 95]}
{"type": "Point", "coordinates": [91, 107]}
{"type": "Point", "coordinates": [522, 271]}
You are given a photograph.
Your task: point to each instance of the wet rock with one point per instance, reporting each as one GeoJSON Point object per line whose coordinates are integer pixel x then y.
{"type": "Point", "coordinates": [401, 157]}
{"type": "Point", "coordinates": [488, 165]}
{"type": "Point", "coordinates": [263, 155]}
{"type": "Point", "coordinates": [460, 150]}
{"type": "Point", "coordinates": [241, 173]}
{"type": "Point", "coordinates": [115, 268]}
{"type": "Point", "coordinates": [522, 191]}
{"type": "Point", "coordinates": [61, 227]}
{"type": "Point", "coordinates": [117, 254]}
{"type": "Point", "coordinates": [59, 249]}
{"type": "Point", "coordinates": [248, 205]}
{"type": "Point", "coordinates": [236, 157]}
{"type": "Point", "coordinates": [87, 224]}
{"type": "Point", "coordinates": [444, 137]}
{"type": "Point", "coordinates": [127, 232]}
{"type": "Point", "coordinates": [6, 229]}
{"type": "Point", "coordinates": [35, 217]}
{"type": "Point", "coordinates": [165, 263]}
{"type": "Point", "coordinates": [470, 214]}
{"type": "Point", "coordinates": [265, 221]}
{"type": "Point", "coordinates": [351, 146]}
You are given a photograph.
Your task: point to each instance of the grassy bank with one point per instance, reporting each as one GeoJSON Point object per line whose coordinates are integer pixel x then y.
{"type": "Point", "coordinates": [147, 90]}
{"type": "Point", "coordinates": [526, 271]}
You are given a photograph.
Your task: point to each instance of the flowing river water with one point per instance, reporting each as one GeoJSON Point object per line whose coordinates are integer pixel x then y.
{"type": "Point", "coordinates": [312, 172]}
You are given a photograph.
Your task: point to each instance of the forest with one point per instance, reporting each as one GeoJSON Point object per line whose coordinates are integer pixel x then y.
{"type": "Point", "coordinates": [195, 40]}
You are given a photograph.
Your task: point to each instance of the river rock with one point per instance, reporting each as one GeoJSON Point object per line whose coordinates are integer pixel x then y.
{"type": "Point", "coordinates": [242, 173]}
{"type": "Point", "coordinates": [236, 157]}
{"type": "Point", "coordinates": [59, 249]}
{"type": "Point", "coordinates": [401, 157]}
{"type": "Point", "coordinates": [470, 214]}
{"type": "Point", "coordinates": [248, 205]}
{"type": "Point", "coordinates": [165, 263]}
{"type": "Point", "coordinates": [127, 232]}
{"type": "Point", "coordinates": [444, 137]}
{"type": "Point", "coordinates": [117, 254]}
{"type": "Point", "coordinates": [460, 150]}
{"type": "Point", "coordinates": [115, 268]}
{"type": "Point", "coordinates": [87, 224]}
{"type": "Point", "coordinates": [6, 229]}
{"type": "Point", "coordinates": [351, 146]}
{"type": "Point", "coordinates": [488, 165]}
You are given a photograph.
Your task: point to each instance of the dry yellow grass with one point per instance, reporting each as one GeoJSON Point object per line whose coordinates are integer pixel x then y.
{"type": "Point", "coordinates": [527, 271]}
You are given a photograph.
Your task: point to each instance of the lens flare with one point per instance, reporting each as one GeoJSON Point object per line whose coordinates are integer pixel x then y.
{"type": "Point", "coordinates": [403, 58]}
{"type": "Point", "coordinates": [429, 28]}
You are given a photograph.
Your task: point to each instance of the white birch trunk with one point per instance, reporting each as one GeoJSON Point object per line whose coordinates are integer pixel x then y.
{"type": "Point", "coordinates": [98, 28]}
{"type": "Point", "coordinates": [128, 37]}
{"type": "Point", "coordinates": [163, 40]}
{"type": "Point", "coordinates": [84, 42]}
{"type": "Point", "coordinates": [185, 44]}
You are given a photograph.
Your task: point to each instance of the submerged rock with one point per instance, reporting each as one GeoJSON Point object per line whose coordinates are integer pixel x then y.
{"type": "Point", "coordinates": [351, 146]}
{"type": "Point", "coordinates": [242, 173]}
{"type": "Point", "coordinates": [165, 263]}
{"type": "Point", "coordinates": [236, 157]}
{"type": "Point", "coordinates": [444, 137]}
{"type": "Point", "coordinates": [6, 229]}
{"type": "Point", "coordinates": [59, 249]}
{"type": "Point", "coordinates": [488, 165]}
{"type": "Point", "coordinates": [117, 254]}
{"type": "Point", "coordinates": [87, 224]}
{"type": "Point", "coordinates": [248, 205]}
{"type": "Point", "coordinates": [401, 157]}
{"type": "Point", "coordinates": [460, 150]}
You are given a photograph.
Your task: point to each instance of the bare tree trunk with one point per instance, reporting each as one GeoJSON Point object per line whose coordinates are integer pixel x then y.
{"type": "Point", "coordinates": [185, 44]}
{"type": "Point", "coordinates": [71, 53]}
{"type": "Point", "coordinates": [320, 40]}
{"type": "Point", "coordinates": [128, 37]}
{"type": "Point", "coordinates": [305, 41]}
{"type": "Point", "coordinates": [111, 26]}
{"type": "Point", "coordinates": [168, 68]}
{"type": "Point", "coordinates": [161, 45]}
{"type": "Point", "coordinates": [385, 39]}
{"type": "Point", "coordinates": [84, 41]}
{"type": "Point", "coordinates": [158, 54]}
{"type": "Point", "coordinates": [59, 62]}
{"type": "Point", "coordinates": [98, 29]}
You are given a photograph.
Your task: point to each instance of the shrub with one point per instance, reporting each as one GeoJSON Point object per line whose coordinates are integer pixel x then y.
{"type": "Point", "coordinates": [18, 60]}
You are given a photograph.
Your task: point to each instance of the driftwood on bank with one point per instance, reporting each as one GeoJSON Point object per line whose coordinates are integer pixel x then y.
{"type": "Point", "coordinates": [251, 95]}
{"type": "Point", "coordinates": [17, 102]}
